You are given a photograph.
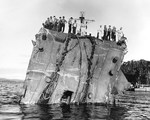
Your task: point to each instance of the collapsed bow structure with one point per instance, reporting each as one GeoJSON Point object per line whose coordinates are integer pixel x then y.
{"type": "Point", "coordinates": [66, 68]}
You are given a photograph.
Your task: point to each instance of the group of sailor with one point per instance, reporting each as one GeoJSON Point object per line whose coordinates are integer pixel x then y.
{"type": "Point", "coordinates": [77, 28]}
{"type": "Point", "coordinates": [110, 34]}
{"type": "Point", "coordinates": [52, 23]}
{"type": "Point", "coordinates": [104, 33]}
{"type": "Point", "coordinates": [72, 24]}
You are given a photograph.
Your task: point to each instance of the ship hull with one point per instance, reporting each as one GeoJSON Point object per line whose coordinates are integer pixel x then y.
{"type": "Point", "coordinates": [66, 68]}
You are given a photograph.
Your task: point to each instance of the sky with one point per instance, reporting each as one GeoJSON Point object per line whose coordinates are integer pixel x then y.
{"type": "Point", "coordinates": [20, 20]}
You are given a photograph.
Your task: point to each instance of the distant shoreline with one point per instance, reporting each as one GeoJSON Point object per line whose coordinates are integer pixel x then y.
{"type": "Point", "coordinates": [11, 80]}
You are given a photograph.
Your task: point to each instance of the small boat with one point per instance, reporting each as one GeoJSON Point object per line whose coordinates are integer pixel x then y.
{"type": "Point", "coordinates": [143, 88]}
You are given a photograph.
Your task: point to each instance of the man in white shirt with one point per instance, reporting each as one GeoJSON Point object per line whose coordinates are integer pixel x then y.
{"type": "Point", "coordinates": [120, 33]}
{"type": "Point", "coordinates": [100, 32]}
{"type": "Point", "coordinates": [63, 23]}
{"type": "Point", "coordinates": [74, 27]}
{"type": "Point", "coordinates": [70, 22]}
{"type": "Point", "coordinates": [83, 28]}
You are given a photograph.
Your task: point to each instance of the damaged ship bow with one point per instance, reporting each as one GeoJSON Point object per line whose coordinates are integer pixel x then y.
{"type": "Point", "coordinates": [72, 69]}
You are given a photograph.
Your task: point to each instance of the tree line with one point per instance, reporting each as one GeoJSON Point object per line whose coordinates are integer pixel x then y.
{"type": "Point", "coordinates": [137, 71]}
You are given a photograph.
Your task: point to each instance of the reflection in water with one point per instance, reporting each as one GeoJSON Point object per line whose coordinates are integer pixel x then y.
{"type": "Point", "coordinates": [130, 106]}
{"type": "Point", "coordinates": [63, 112]}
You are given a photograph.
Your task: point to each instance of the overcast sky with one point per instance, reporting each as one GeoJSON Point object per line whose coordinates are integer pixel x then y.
{"type": "Point", "coordinates": [20, 20]}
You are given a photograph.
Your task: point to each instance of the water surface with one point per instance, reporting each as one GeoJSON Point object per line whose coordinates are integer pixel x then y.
{"type": "Point", "coordinates": [130, 106]}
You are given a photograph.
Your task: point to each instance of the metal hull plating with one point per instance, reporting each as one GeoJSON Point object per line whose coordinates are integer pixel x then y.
{"type": "Point", "coordinates": [71, 69]}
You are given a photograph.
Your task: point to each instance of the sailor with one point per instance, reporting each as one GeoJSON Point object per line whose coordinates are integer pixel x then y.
{"type": "Point", "coordinates": [83, 28]}
{"type": "Point", "coordinates": [121, 38]}
{"type": "Point", "coordinates": [113, 35]}
{"type": "Point", "coordinates": [120, 33]}
{"type": "Point", "coordinates": [47, 23]}
{"type": "Point", "coordinates": [74, 27]}
{"type": "Point", "coordinates": [51, 22]}
{"type": "Point", "coordinates": [59, 25]}
{"type": "Point", "coordinates": [97, 35]}
{"type": "Point", "coordinates": [63, 23]}
{"type": "Point", "coordinates": [109, 33]}
{"type": "Point", "coordinates": [105, 33]}
{"type": "Point", "coordinates": [100, 32]}
{"type": "Point", "coordinates": [55, 23]}
{"type": "Point", "coordinates": [43, 24]}
{"type": "Point", "coordinates": [70, 22]}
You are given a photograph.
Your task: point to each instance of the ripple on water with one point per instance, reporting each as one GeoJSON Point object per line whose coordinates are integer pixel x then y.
{"type": "Point", "coordinates": [130, 106]}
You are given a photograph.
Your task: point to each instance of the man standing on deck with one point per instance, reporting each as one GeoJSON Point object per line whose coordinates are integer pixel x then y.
{"type": "Point", "coordinates": [59, 26]}
{"type": "Point", "coordinates": [109, 33]}
{"type": "Point", "coordinates": [74, 27]}
{"type": "Point", "coordinates": [63, 23]}
{"type": "Point", "coordinates": [100, 32]}
{"type": "Point", "coordinates": [105, 33]}
{"type": "Point", "coordinates": [51, 22]}
{"type": "Point", "coordinates": [70, 22]}
{"type": "Point", "coordinates": [83, 28]}
{"type": "Point", "coordinates": [120, 33]}
{"type": "Point", "coordinates": [113, 35]}
{"type": "Point", "coordinates": [47, 23]}
{"type": "Point", "coordinates": [55, 23]}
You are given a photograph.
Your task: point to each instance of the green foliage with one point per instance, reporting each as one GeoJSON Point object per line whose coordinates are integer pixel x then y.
{"type": "Point", "coordinates": [137, 71]}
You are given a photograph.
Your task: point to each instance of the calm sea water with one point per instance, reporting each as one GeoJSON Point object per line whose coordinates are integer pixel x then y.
{"type": "Point", "coordinates": [130, 106]}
